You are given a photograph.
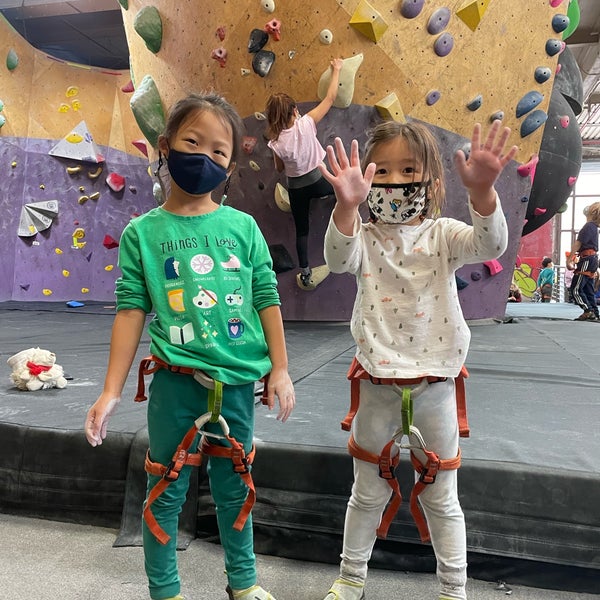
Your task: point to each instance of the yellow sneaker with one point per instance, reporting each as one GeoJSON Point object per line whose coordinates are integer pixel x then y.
{"type": "Point", "coordinates": [344, 589]}
{"type": "Point", "coordinates": [253, 593]}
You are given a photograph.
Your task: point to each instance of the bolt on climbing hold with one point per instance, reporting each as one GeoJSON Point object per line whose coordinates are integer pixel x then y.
{"type": "Point", "coordinates": [273, 28]}
{"type": "Point", "coordinates": [325, 36]}
{"type": "Point", "coordinates": [220, 55]}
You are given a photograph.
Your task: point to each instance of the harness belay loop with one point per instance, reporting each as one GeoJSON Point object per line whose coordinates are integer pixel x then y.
{"type": "Point", "coordinates": [389, 458]}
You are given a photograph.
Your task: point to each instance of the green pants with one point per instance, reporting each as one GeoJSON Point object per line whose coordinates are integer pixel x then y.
{"type": "Point", "coordinates": [175, 402]}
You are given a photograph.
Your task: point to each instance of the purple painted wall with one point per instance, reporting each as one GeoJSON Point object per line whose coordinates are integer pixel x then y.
{"type": "Point", "coordinates": [31, 265]}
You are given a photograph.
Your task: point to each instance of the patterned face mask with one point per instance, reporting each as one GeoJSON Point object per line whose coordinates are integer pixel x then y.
{"type": "Point", "coordinates": [395, 203]}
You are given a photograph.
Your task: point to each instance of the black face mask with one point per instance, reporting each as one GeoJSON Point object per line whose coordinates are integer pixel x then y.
{"type": "Point", "coordinates": [195, 174]}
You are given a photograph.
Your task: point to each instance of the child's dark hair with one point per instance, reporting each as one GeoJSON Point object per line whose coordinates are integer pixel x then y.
{"type": "Point", "coordinates": [280, 110]}
{"type": "Point", "coordinates": [546, 261]}
{"type": "Point", "coordinates": [424, 148]}
{"type": "Point", "coordinates": [210, 101]}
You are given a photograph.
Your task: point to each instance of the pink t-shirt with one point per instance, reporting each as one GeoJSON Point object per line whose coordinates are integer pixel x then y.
{"type": "Point", "coordinates": [298, 147]}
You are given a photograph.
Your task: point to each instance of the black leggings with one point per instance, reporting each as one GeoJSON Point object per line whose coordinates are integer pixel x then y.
{"type": "Point", "coordinates": [300, 204]}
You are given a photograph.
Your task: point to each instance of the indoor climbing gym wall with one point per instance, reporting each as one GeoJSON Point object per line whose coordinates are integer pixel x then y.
{"type": "Point", "coordinates": [447, 63]}
{"type": "Point", "coordinates": [73, 171]}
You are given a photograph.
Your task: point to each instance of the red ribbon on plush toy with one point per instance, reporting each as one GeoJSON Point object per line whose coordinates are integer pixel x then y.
{"type": "Point", "coordinates": [37, 369]}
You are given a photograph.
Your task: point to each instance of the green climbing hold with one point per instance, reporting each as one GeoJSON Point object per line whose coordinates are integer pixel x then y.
{"type": "Point", "coordinates": [2, 120]}
{"type": "Point", "coordinates": [574, 14]}
{"type": "Point", "coordinates": [124, 4]}
{"type": "Point", "coordinates": [148, 110]}
{"type": "Point", "coordinates": [148, 25]}
{"type": "Point", "coordinates": [12, 60]}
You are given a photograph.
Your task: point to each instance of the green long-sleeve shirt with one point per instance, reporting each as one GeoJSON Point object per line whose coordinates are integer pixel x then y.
{"type": "Point", "coordinates": [206, 278]}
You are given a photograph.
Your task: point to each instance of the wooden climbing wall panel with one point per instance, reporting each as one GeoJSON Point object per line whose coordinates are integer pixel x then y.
{"type": "Point", "coordinates": [493, 55]}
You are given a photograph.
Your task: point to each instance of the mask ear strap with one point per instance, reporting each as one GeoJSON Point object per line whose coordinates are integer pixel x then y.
{"type": "Point", "coordinates": [225, 190]}
{"type": "Point", "coordinates": [160, 164]}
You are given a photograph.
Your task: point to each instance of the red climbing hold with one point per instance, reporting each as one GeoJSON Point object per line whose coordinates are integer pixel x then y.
{"type": "Point", "coordinates": [128, 88]}
{"type": "Point", "coordinates": [141, 146]}
{"type": "Point", "coordinates": [115, 182]}
{"type": "Point", "coordinates": [110, 242]}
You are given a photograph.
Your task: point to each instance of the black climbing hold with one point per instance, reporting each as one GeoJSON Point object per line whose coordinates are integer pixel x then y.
{"type": "Point", "coordinates": [533, 121]}
{"type": "Point", "coordinates": [560, 23]}
{"type": "Point", "coordinates": [411, 8]}
{"type": "Point", "coordinates": [432, 97]}
{"type": "Point", "coordinates": [497, 116]}
{"type": "Point", "coordinates": [444, 44]}
{"type": "Point", "coordinates": [542, 74]}
{"type": "Point", "coordinates": [258, 40]}
{"type": "Point", "coordinates": [476, 103]}
{"type": "Point", "coordinates": [475, 275]}
{"type": "Point", "coordinates": [461, 284]}
{"type": "Point", "coordinates": [438, 21]}
{"type": "Point", "coordinates": [528, 102]}
{"type": "Point", "coordinates": [262, 62]}
{"type": "Point", "coordinates": [553, 47]}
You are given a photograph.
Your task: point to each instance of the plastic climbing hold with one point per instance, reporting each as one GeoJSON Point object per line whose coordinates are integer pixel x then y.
{"type": "Point", "coordinates": [564, 121]}
{"type": "Point", "coordinates": [410, 9]}
{"type": "Point", "coordinates": [257, 41]}
{"type": "Point", "coordinates": [560, 23]}
{"type": "Point", "coordinates": [528, 102]}
{"type": "Point", "coordinates": [141, 146]}
{"type": "Point", "coordinates": [475, 103]}
{"type": "Point", "coordinates": [262, 62]}
{"type": "Point", "coordinates": [461, 284]}
{"type": "Point", "coordinates": [554, 46]}
{"type": "Point", "coordinates": [260, 116]}
{"type": "Point", "coordinates": [124, 4]}
{"type": "Point", "coordinates": [542, 74]}
{"type": "Point", "coordinates": [128, 87]}
{"type": "Point", "coordinates": [47, 292]}
{"type": "Point", "coordinates": [2, 120]}
{"type": "Point", "coordinates": [390, 108]}
{"type": "Point", "coordinates": [82, 199]}
{"type": "Point", "coordinates": [475, 275]}
{"type": "Point", "coordinates": [368, 21]}
{"type": "Point", "coordinates": [574, 14]}
{"type": "Point", "coordinates": [282, 198]}
{"type": "Point", "coordinates": [472, 13]}
{"type": "Point", "coordinates": [95, 174]}
{"type": "Point", "coordinates": [220, 33]}
{"type": "Point", "coordinates": [555, 3]}
{"type": "Point", "coordinates": [109, 268]}
{"type": "Point", "coordinates": [439, 20]}
{"type": "Point", "coordinates": [72, 90]}
{"type": "Point", "coordinates": [248, 144]}
{"type": "Point", "coordinates": [245, 72]}
{"type": "Point", "coordinates": [444, 44]}
{"type": "Point", "coordinates": [493, 266]}
{"type": "Point", "coordinates": [220, 55]}
{"type": "Point", "coordinates": [563, 208]}
{"type": "Point", "coordinates": [528, 169]}
{"type": "Point", "coordinates": [532, 122]}
{"type": "Point", "coordinates": [497, 116]}
{"type": "Point", "coordinates": [148, 110]}
{"type": "Point", "coordinates": [115, 182]}
{"type": "Point", "coordinates": [345, 91]}
{"type": "Point", "coordinates": [95, 196]}
{"type": "Point", "coordinates": [148, 25]}
{"type": "Point", "coordinates": [273, 28]}
{"type": "Point", "coordinates": [66, 273]}
{"type": "Point", "coordinates": [12, 60]}
{"type": "Point", "coordinates": [268, 5]}
{"type": "Point", "coordinates": [432, 97]}
{"type": "Point", "coordinates": [254, 165]}
{"type": "Point", "coordinates": [110, 242]}
{"type": "Point", "coordinates": [571, 181]}
{"type": "Point", "coordinates": [325, 36]}
{"type": "Point", "coordinates": [539, 211]}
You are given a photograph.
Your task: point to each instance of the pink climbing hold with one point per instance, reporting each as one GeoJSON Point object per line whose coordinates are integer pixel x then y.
{"type": "Point", "coordinates": [493, 266]}
{"type": "Point", "coordinates": [558, 68]}
{"type": "Point", "coordinates": [128, 88]}
{"type": "Point", "coordinates": [572, 180]}
{"type": "Point", "coordinates": [110, 242]}
{"type": "Point", "coordinates": [555, 3]}
{"type": "Point", "coordinates": [141, 146]}
{"type": "Point", "coordinates": [273, 27]}
{"type": "Point", "coordinates": [528, 169]}
{"type": "Point", "coordinates": [115, 182]}
{"type": "Point", "coordinates": [248, 144]}
{"type": "Point", "coordinates": [220, 55]}
{"type": "Point", "coordinates": [539, 211]}
{"type": "Point", "coordinates": [220, 33]}
{"type": "Point", "coordinates": [564, 121]}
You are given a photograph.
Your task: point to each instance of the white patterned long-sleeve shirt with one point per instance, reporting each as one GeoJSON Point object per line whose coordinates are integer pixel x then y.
{"type": "Point", "coordinates": [407, 320]}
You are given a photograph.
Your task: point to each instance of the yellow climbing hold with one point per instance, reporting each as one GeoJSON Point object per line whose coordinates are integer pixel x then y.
{"type": "Point", "coordinates": [13, 164]}
{"type": "Point", "coordinates": [254, 166]}
{"type": "Point", "coordinates": [368, 21]}
{"type": "Point", "coordinates": [58, 251]}
{"type": "Point", "coordinates": [63, 108]}
{"type": "Point", "coordinates": [282, 198]}
{"type": "Point", "coordinates": [65, 273]}
{"type": "Point", "coordinates": [472, 13]}
{"type": "Point", "coordinates": [95, 196]}
{"type": "Point", "coordinates": [95, 174]}
{"type": "Point", "coordinates": [74, 138]}
{"type": "Point", "coordinates": [83, 199]}
{"type": "Point", "coordinates": [390, 108]}
{"type": "Point", "coordinates": [73, 170]}
{"type": "Point", "coordinates": [72, 90]}
{"type": "Point", "coordinates": [76, 104]}
{"type": "Point", "coordinates": [109, 267]}
{"type": "Point", "coordinates": [42, 186]}
{"type": "Point", "coordinates": [85, 290]}
{"type": "Point", "coordinates": [47, 292]}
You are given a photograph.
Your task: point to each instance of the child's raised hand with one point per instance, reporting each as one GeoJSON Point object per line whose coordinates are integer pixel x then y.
{"type": "Point", "coordinates": [350, 185]}
{"type": "Point", "coordinates": [486, 161]}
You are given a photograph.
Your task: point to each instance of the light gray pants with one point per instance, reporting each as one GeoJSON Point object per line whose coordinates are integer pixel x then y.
{"type": "Point", "coordinates": [378, 418]}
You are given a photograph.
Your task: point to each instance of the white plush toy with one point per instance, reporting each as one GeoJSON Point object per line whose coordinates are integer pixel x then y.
{"type": "Point", "coordinates": [35, 369]}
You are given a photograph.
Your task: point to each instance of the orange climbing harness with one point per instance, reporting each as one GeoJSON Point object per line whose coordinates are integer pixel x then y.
{"type": "Point", "coordinates": [389, 458]}
{"type": "Point", "coordinates": [182, 456]}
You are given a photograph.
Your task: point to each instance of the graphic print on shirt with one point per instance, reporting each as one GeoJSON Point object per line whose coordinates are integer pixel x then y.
{"type": "Point", "coordinates": [205, 299]}
{"type": "Point", "coordinates": [233, 264]}
{"type": "Point", "coordinates": [175, 297]}
{"type": "Point", "coordinates": [181, 335]}
{"type": "Point", "coordinates": [202, 264]}
{"type": "Point", "coordinates": [171, 268]}
{"type": "Point", "coordinates": [235, 298]}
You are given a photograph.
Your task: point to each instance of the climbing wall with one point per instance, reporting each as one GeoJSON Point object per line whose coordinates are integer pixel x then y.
{"type": "Point", "coordinates": [447, 63]}
{"type": "Point", "coordinates": [71, 175]}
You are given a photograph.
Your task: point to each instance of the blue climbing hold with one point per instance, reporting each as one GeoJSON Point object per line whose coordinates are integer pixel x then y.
{"type": "Point", "coordinates": [438, 21]}
{"type": "Point", "coordinates": [533, 121]}
{"type": "Point", "coordinates": [476, 103]}
{"type": "Point", "coordinates": [444, 44]}
{"type": "Point", "coordinates": [433, 97]}
{"type": "Point", "coordinates": [542, 74]}
{"type": "Point", "coordinates": [560, 23]}
{"type": "Point", "coordinates": [497, 116]}
{"type": "Point", "coordinates": [553, 46]}
{"type": "Point", "coordinates": [528, 102]}
{"type": "Point", "coordinates": [411, 8]}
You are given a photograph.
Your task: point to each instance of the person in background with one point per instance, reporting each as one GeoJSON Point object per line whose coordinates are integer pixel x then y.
{"type": "Point", "coordinates": [514, 293]}
{"type": "Point", "coordinates": [298, 152]}
{"type": "Point", "coordinates": [545, 281]}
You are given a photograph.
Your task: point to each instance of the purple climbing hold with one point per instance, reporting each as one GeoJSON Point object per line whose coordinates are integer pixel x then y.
{"type": "Point", "coordinates": [542, 74]}
{"type": "Point", "coordinates": [475, 275]}
{"type": "Point", "coordinates": [433, 97]}
{"type": "Point", "coordinates": [258, 40]}
{"type": "Point", "coordinates": [560, 23]}
{"type": "Point", "coordinates": [438, 21]}
{"type": "Point", "coordinates": [262, 62]}
{"type": "Point", "coordinates": [411, 8]}
{"type": "Point", "coordinates": [476, 103]}
{"type": "Point", "coordinates": [533, 121]}
{"type": "Point", "coordinates": [444, 44]}
{"type": "Point", "coordinates": [528, 102]}
{"type": "Point", "coordinates": [554, 46]}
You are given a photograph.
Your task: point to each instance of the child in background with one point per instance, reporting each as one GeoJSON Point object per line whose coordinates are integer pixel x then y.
{"type": "Point", "coordinates": [298, 152]}
{"type": "Point", "coordinates": [217, 321]}
{"type": "Point", "coordinates": [545, 281]}
{"type": "Point", "coordinates": [514, 293]}
{"type": "Point", "coordinates": [408, 324]}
